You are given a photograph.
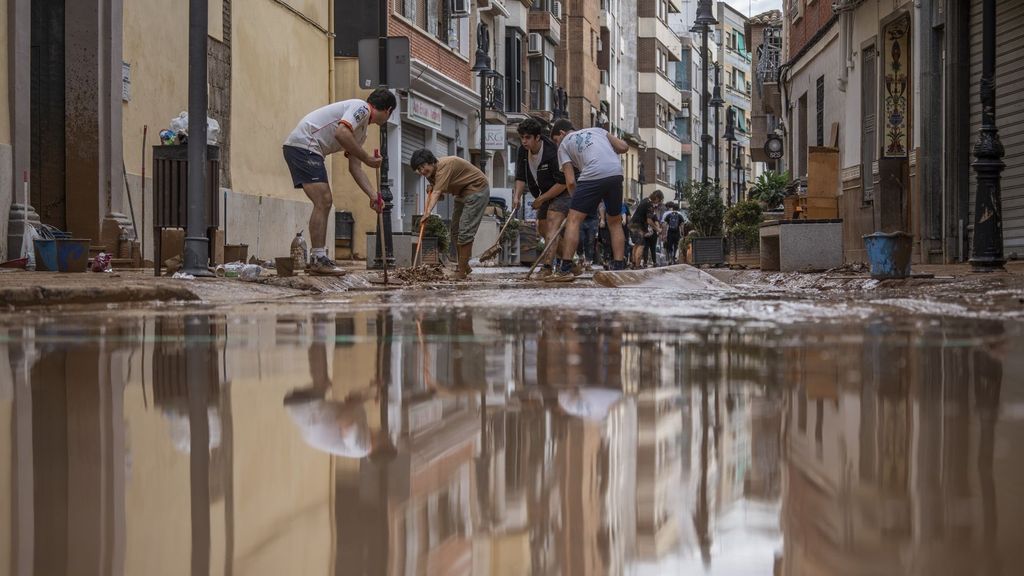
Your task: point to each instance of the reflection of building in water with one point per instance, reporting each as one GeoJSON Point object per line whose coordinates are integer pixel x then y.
{"type": "Point", "coordinates": [659, 467]}
{"type": "Point", "coordinates": [891, 460]}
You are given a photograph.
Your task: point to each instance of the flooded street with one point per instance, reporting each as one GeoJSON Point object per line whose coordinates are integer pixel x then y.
{"type": "Point", "coordinates": [508, 436]}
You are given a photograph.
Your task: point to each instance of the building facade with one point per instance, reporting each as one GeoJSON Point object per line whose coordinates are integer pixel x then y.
{"type": "Point", "coordinates": [734, 68]}
{"type": "Point", "coordinates": [659, 100]}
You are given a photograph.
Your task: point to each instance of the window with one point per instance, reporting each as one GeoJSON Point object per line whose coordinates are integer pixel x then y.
{"type": "Point", "coordinates": [514, 72]}
{"type": "Point", "coordinates": [741, 45]}
{"type": "Point", "coordinates": [821, 110]}
{"type": "Point", "coordinates": [433, 17]}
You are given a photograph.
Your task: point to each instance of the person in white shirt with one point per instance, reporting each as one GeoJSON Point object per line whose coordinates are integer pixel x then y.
{"type": "Point", "coordinates": [334, 128]}
{"type": "Point", "coordinates": [595, 153]}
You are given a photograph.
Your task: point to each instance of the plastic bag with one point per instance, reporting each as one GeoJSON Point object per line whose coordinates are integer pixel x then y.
{"type": "Point", "coordinates": [179, 125]}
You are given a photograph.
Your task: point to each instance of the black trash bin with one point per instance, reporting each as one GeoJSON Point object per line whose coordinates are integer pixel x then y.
{"type": "Point", "coordinates": [344, 231]}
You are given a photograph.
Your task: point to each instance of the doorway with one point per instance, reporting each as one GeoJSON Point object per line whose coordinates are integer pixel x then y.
{"type": "Point", "coordinates": [47, 145]}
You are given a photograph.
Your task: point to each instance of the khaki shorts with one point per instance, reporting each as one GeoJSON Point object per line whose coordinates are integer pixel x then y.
{"type": "Point", "coordinates": [469, 211]}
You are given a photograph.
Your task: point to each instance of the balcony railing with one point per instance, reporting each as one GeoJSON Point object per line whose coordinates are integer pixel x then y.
{"type": "Point", "coordinates": [496, 92]}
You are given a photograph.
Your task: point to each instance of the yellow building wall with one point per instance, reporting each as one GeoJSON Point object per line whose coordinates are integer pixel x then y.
{"type": "Point", "coordinates": [156, 47]}
{"type": "Point", "coordinates": [5, 116]}
{"type": "Point", "coordinates": [158, 523]}
{"type": "Point", "coordinates": [347, 195]}
{"type": "Point", "coordinates": [279, 74]}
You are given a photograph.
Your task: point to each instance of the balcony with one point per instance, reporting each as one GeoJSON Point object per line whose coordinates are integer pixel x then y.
{"type": "Point", "coordinates": [495, 96]}
{"type": "Point", "coordinates": [655, 83]}
{"type": "Point", "coordinates": [607, 20]}
{"type": "Point", "coordinates": [654, 28]}
{"type": "Point", "coordinates": [662, 141]}
{"type": "Point", "coordinates": [606, 93]}
{"type": "Point", "coordinates": [544, 22]}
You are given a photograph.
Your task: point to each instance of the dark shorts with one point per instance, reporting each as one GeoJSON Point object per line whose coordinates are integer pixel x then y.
{"type": "Point", "coordinates": [589, 194]}
{"type": "Point", "coordinates": [559, 204]}
{"type": "Point", "coordinates": [637, 234]}
{"type": "Point", "coordinates": [306, 167]}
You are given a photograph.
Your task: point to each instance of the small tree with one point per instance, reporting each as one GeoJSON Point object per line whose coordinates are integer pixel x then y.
{"type": "Point", "coordinates": [770, 189]}
{"type": "Point", "coordinates": [743, 224]}
{"type": "Point", "coordinates": [705, 207]}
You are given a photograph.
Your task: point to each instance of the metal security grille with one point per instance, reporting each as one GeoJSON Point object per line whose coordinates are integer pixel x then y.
{"type": "Point", "coordinates": [1009, 112]}
{"type": "Point", "coordinates": [413, 138]}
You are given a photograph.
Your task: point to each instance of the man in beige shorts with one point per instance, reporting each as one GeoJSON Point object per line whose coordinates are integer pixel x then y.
{"type": "Point", "coordinates": [468, 185]}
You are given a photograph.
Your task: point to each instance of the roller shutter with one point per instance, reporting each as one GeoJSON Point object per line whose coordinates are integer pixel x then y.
{"type": "Point", "coordinates": [1009, 112]}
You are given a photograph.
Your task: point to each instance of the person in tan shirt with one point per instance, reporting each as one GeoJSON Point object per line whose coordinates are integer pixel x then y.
{"type": "Point", "coordinates": [468, 185]}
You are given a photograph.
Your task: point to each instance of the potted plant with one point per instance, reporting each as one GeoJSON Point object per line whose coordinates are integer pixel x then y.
{"type": "Point", "coordinates": [705, 209]}
{"type": "Point", "coordinates": [435, 239]}
{"type": "Point", "coordinates": [743, 229]}
{"type": "Point", "coordinates": [510, 242]}
{"type": "Point", "coordinates": [770, 191]}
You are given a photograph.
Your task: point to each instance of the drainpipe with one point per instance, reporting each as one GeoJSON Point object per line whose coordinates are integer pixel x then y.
{"type": "Point", "coordinates": [330, 53]}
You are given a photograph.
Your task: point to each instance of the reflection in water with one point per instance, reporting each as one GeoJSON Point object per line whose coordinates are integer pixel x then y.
{"type": "Point", "coordinates": [474, 442]}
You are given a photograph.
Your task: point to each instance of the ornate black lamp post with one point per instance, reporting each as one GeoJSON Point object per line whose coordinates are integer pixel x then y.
{"type": "Point", "coordinates": [717, 103]}
{"type": "Point", "coordinates": [730, 137]}
{"type": "Point", "coordinates": [702, 25]}
{"type": "Point", "coordinates": [987, 252]}
{"type": "Point", "coordinates": [482, 66]}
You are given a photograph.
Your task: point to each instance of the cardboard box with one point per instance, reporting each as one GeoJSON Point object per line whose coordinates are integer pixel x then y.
{"type": "Point", "coordinates": [821, 208]}
{"type": "Point", "coordinates": [823, 172]}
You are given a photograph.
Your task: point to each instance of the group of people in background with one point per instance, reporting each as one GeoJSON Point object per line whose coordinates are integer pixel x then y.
{"type": "Point", "coordinates": [575, 178]}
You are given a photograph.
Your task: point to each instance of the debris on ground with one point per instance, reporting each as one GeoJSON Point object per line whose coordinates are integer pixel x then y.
{"type": "Point", "coordinates": [183, 276]}
{"type": "Point", "coordinates": [421, 273]}
{"type": "Point", "coordinates": [851, 269]}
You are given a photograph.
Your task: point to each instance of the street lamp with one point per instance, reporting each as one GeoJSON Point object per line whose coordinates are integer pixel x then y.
{"type": "Point", "coordinates": [730, 137]}
{"type": "Point", "coordinates": [987, 252]}
{"type": "Point", "coordinates": [702, 24]}
{"type": "Point", "coordinates": [482, 66]}
{"type": "Point", "coordinates": [717, 103]}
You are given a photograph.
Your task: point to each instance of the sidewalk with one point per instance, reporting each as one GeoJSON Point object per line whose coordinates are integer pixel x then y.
{"type": "Point", "coordinates": [20, 289]}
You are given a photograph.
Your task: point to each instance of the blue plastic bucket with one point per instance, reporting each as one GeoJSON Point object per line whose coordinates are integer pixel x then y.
{"type": "Point", "coordinates": [72, 255]}
{"type": "Point", "coordinates": [46, 254]}
{"type": "Point", "coordinates": [889, 254]}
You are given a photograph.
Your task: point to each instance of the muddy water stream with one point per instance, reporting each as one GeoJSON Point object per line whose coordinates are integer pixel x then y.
{"type": "Point", "coordinates": [502, 440]}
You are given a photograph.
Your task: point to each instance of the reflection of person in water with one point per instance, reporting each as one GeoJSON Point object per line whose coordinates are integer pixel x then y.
{"type": "Point", "coordinates": [336, 427]}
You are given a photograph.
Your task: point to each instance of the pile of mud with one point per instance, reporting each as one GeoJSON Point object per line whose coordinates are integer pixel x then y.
{"type": "Point", "coordinates": [420, 274]}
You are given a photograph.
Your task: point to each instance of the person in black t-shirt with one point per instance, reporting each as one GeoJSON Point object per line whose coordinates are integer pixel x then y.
{"type": "Point", "coordinates": [643, 223]}
{"type": "Point", "coordinates": [537, 169]}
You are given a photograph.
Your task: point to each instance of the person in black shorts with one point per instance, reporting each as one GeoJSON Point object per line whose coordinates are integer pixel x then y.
{"type": "Point", "coordinates": [644, 225]}
{"type": "Point", "coordinates": [673, 220]}
{"type": "Point", "coordinates": [594, 152]}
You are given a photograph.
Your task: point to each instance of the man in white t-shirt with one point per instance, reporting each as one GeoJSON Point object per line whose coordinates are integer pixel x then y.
{"type": "Point", "coordinates": [334, 128]}
{"type": "Point", "coordinates": [595, 153]}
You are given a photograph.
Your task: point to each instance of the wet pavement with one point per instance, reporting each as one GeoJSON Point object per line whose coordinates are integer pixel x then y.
{"type": "Point", "coordinates": [493, 431]}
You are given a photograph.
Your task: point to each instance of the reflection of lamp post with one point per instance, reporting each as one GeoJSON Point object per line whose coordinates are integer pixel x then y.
{"type": "Point", "coordinates": [730, 137]}
{"type": "Point", "coordinates": [987, 252]}
{"type": "Point", "coordinates": [702, 24]}
{"type": "Point", "coordinates": [717, 103]}
{"type": "Point", "coordinates": [482, 67]}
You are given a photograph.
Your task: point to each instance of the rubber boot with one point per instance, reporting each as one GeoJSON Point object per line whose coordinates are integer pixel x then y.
{"type": "Point", "coordinates": [465, 250]}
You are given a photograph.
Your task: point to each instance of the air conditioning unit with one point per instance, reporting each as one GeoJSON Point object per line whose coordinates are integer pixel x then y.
{"type": "Point", "coordinates": [459, 7]}
{"type": "Point", "coordinates": [557, 10]}
{"type": "Point", "coordinates": [535, 44]}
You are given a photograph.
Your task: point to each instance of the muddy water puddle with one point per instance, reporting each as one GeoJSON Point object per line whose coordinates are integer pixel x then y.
{"type": "Point", "coordinates": [514, 438]}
